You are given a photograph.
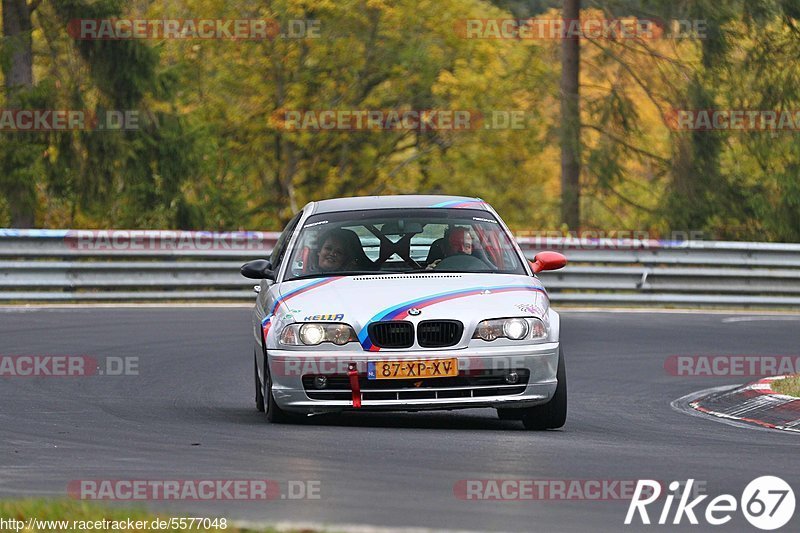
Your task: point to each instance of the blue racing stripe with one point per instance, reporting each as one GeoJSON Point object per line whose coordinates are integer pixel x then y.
{"type": "Point", "coordinates": [392, 312]}
{"type": "Point", "coordinates": [458, 203]}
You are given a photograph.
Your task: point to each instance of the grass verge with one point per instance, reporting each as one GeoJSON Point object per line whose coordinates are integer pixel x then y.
{"type": "Point", "coordinates": [789, 386]}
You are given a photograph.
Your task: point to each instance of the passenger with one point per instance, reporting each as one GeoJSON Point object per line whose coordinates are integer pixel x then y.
{"type": "Point", "coordinates": [338, 251]}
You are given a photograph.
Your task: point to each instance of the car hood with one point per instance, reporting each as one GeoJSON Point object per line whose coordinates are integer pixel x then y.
{"type": "Point", "coordinates": [361, 300]}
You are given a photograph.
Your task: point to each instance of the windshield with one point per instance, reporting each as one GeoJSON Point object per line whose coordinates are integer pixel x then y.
{"type": "Point", "coordinates": [386, 241]}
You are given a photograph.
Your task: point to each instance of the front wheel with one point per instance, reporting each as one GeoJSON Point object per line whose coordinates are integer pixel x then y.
{"type": "Point", "coordinates": [275, 414]}
{"type": "Point", "coordinates": [259, 386]}
{"type": "Point", "coordinates": [553, 414]}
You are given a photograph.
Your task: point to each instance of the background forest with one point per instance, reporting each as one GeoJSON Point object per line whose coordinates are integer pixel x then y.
{"type": "Point", "coordinates": [210, 155]}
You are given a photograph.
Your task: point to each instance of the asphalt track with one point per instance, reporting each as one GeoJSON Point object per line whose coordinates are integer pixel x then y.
{"type": "Point", "coordinates": [189, 414]}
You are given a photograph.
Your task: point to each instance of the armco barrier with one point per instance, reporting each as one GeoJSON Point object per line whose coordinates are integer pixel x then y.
{"type": "Point", "coordinates": [116, 265]}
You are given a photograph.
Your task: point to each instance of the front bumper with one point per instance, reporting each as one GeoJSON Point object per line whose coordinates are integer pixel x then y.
{"type": "Point", "coordinates": [537, 362]}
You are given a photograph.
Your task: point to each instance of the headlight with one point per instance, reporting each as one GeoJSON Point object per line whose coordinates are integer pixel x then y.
{"type": "Point", "coordinates": [340, 334]}
{"type": "Point", "coordinates": [515, 328]}
{"type": "Point", "coordinates": [511, 328]}
{"type": "Point", "coordinates": [313, 333]}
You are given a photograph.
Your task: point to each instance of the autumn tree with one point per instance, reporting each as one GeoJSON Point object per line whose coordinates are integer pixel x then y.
{"type": "Point", "coordinates": [129, 177]}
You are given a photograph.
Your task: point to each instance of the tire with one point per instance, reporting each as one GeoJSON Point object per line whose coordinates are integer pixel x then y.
{"type": "Point", "coordinates": [259, 386]}
{"type": "Point", "coordinates": [275, 414]}
{"type": "Point", "coordinates": [553, 414]}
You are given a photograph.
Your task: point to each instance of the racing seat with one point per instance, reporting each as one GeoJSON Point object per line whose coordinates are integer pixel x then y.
{"type": "Point", "coordinates": [359, 256]}
{"type": "Point", "coordinates": [436, 251]}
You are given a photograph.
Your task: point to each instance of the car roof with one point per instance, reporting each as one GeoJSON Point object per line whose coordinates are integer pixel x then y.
{"type": "Point", "coordinates": [405, 201]}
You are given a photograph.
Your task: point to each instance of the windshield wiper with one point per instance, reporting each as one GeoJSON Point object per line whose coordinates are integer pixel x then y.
{"type": "Point", "coordinates": [341, 273]}
{"type": "Point", "coordinates": [441, 271]}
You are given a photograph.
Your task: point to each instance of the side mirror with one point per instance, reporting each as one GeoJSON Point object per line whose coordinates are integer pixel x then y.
{"type": "Point", "coordinates": [258, 269]}
{"type": "Point", "coordinates": [548, 261]}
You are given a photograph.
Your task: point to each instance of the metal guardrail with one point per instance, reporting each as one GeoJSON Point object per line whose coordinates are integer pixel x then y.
{"type": "Point", "coordinates": [82, 265]}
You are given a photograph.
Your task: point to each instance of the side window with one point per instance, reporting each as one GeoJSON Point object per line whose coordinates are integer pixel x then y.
{"type": "Point", "coordinates": [280, 247]}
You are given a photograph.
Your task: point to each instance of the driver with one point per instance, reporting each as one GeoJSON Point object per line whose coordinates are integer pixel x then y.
{"type": "Point", "coordinates": [459, 242]}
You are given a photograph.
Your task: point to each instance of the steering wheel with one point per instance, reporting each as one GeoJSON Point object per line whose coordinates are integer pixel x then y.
{"type": "Point", "coordinates": [463, 262]}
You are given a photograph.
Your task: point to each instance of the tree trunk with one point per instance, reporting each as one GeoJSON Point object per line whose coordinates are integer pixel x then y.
{"type": "Point", "coordinates": [17, 28]}
{"type": "Point", "coordinates": [18, 74]}
{"type": "Point", "coordinates": [570, 122]}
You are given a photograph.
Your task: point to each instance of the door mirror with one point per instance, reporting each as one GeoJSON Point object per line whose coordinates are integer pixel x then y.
{"type": "Point", "coordinates": [258, 269]}
{"type": "Point", "coordinates": [548, 261]}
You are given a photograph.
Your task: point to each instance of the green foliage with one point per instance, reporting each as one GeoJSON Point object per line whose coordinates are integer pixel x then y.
{"type": "Point", "coordinates": [746, 183]}
{"type": "Point", "coordinates": [211, 153]}
{"type": "Point", "coordinates": [97, 177]}
{"type": "Point", "coordinates": [789, 386]}
{"type": "Point", "coordinates": [370, 55]}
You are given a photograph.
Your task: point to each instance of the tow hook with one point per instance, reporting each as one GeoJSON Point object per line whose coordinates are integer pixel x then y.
{"type": "Point", "coordinates": [352, 373]}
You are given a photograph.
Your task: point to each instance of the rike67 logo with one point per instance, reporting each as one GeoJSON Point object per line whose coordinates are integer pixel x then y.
{"type": "Point", "coordinates": [767, 503]}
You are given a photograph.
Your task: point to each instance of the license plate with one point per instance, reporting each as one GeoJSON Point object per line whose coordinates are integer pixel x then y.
{"type": "Point", "coordinates": [435, 368]}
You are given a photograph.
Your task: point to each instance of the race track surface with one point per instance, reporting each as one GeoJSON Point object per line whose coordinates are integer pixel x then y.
{"type": "Point", "coordinates": [189, 414]}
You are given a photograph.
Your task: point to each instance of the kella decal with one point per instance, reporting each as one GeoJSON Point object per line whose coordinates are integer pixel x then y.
{"type": "Point", "coordinates": [334, 318]}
